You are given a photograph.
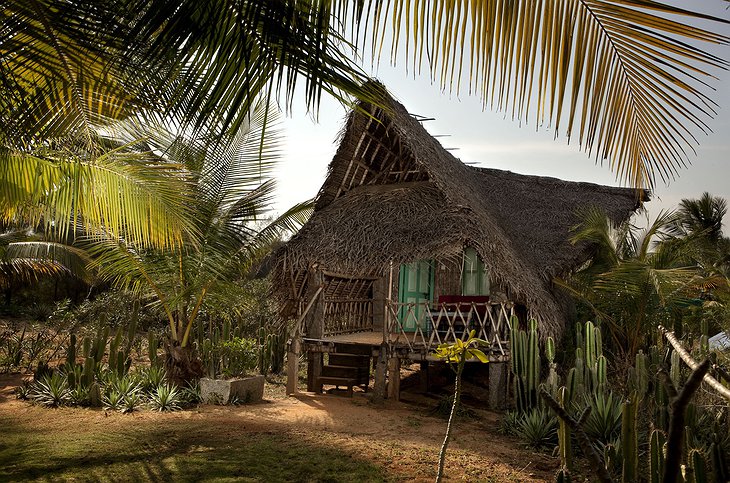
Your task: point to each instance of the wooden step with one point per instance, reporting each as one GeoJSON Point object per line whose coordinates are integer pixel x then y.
{"type": "Point", "coordinates": [344, 371]}
{"type": "Point", "coordinates": [348, 382]}
{"type": "Point", "coordinates": [358, 349]}
{"type": "Point", "coordinates": [350, 360]}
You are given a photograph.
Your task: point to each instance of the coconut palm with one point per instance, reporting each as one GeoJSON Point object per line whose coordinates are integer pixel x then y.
{"type": "Point", "coordinates": [635, 279]}
{"type": "Point", "coordinates": [232, 189]}
{"type": "Point", "coordinates": [628, 78]}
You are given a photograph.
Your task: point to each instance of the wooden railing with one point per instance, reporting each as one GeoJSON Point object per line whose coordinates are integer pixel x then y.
{"type": "Point", "coordinates": [423, 326]}
{"type": "Point", "coordinates": [347, 316]}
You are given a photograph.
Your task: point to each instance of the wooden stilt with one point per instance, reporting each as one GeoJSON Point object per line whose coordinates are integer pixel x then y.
{"type": "Point", "coordinates": [292, 367]}
{"type": "Point", "coordinates": [423, 380]}
{"type": "Point", "coordinates": [394, 378]}
{"type": "Point", "coordinates": [497, 385]}
{"type": "Point", "coordinates": [381, 365]}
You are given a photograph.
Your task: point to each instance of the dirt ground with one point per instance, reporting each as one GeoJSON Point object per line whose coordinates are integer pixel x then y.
{"type": "Point", "coordinates": [401, 438]}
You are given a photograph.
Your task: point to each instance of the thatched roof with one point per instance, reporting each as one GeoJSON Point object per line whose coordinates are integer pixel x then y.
{"type": "Point", "coordinates": [393, 193]}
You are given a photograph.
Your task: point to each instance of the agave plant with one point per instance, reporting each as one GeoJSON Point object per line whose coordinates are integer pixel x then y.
{"type": "Point", "coordinates": [52, 390]}
{"type": "Point", "coordinates": [604, 421]}
{"type": "Point", "coordinates": [150, 378]}
{"type": "Point", "coordinates": [166, 397]}
{"type": "Point", "coordinates": [538, 428]}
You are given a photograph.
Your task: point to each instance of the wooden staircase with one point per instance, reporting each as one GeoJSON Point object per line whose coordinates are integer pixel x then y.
{"type": "Point", "coordinates": [348, 366]}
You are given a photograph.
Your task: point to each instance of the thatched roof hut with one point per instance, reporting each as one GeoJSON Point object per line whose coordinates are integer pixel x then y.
{"type": "Point", "coordinates": [394, 195]}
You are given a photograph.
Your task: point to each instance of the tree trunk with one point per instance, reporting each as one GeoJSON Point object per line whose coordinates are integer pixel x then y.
{"type": "Point", "coordinates": [182, 364]}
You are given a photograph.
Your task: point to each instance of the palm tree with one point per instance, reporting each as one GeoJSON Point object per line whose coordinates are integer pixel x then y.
{"type": "Point", "coordinates": [232, 188]}
{"type": "Point", "coordinates": [702, 217]}
{"type": "Point", "coordinates": [635, 279]}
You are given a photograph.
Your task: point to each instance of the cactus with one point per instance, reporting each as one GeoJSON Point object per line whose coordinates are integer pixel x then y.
{"type": "Point", "coordinates": [675, 369]}
{"type": "Point", "coordinates": [87, 376]}
{"type": "Point", "coordinates": [99, 345]}
{"type": "Point", "coordinates": [629, 440]}
{"type": "Point", "coordinates": [152, 345]}
{"type": "Point", "coordinates": [86, 351]}
{"type": "Point", "coordinates": [71, 352]}
{"type": "Point", "coordinates": [657, 440]}
{"type": "Point", "coordinates": [525, 364]}
{"type": "Point", "coordinates": [697, 467]}
{"type": "Point", "coordinates": [563, 476]}
{"type": "Point", "coordinates": [564, 449]}
{"type": "Point", "coordinates": [600, 373]}
{"type": "Point", "coordinates": [717, 456]}
{"type": "Point", "coordinates": [641, 374]}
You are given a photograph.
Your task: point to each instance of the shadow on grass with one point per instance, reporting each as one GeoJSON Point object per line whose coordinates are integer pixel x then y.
{"type": "Point", "coordinates": [176, 451]}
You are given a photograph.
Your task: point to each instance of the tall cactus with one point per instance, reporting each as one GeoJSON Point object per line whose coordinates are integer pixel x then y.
{"type": "Point", "coordinates": [152, 345]}
{"type": "Point", "coordinates": [657, 440]}
{"type": "Point", "coordinates": [525, 364]}
{"type": "Point", "coordinates": [629, 440]}
{"type": "Point", "coordinates": [697, 467]}
{"type": "Point", "coordinates": [564, 448]}
{"type": "Point", "coordinates": [717, 456]}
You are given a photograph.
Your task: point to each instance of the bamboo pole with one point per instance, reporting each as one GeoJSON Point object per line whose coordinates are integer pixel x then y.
{"type": "Point", "coordinates": [292, 369]}
{"type": "Point", "coordinates": [687, 358]}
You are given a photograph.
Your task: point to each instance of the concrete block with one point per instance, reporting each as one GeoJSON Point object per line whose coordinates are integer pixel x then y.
{"type": "Point", "coordinates": [225, 391]}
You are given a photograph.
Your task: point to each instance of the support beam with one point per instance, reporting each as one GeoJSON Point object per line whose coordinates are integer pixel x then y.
{"type": "Point", "coordinates": [314, 324]}
{"type": "Point", "coordinates": [497, 385]}
{"type": "Point", "coordinates": [394, 377]}
{"type": "Point", "coordinates": [381, 366]}
{"type": "Point", "coordinates": [292, 367]}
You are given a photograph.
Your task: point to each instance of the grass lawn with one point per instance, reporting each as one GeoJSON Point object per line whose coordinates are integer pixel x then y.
{"type": "Point", "coordinates": [144, 450]}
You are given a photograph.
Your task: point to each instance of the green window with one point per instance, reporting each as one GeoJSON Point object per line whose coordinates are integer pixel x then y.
{"type": "Point", "coordinates": [415, 287]}
{"type": "Point", "coordinates": [474, 276]}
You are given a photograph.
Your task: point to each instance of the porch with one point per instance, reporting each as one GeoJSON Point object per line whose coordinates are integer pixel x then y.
{"type": "Point", "coordinates": [345, 337]}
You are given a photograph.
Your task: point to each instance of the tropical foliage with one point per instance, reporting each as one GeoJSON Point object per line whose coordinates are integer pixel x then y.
{"type": "Point", "coordinates": [639, 278]}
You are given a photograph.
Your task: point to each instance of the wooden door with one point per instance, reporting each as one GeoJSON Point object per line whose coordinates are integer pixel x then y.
{"type": "Point", "coordinates": [415, 287]}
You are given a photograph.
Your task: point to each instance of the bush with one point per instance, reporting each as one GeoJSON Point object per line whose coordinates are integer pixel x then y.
{"type": "Point", "coordinates": [114, 308]}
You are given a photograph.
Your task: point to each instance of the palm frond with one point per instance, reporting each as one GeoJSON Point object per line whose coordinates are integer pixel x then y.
{"type": "Point", "coordinates": [61, 71]}
{"type": "Point", "coordinates": [120, 193]}
{"type": "Point", "coordinates": [628, 78]}
{"type": "Point", "coordinates": [73, 260]}
{"type": "Point", "coordinates": [235, 51]}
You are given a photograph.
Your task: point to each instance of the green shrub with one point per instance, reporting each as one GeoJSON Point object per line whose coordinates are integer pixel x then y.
{"type": "Point", "coordinates": [509, 423]}
{"type": "Point", "coordinates": [190, 394]}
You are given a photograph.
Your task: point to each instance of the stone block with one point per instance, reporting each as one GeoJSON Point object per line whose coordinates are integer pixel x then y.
{"type": "Point", "coordinates": [225, 391]}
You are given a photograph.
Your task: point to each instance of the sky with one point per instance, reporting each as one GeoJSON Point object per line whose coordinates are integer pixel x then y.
{"type": "Point", "coordinates": [492, 139]}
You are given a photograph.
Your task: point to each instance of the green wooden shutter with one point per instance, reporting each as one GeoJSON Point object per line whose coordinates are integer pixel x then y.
{"type": "Point", "coordinates": [415, 285]}
{"type": "Point", "coordinates": [474, 277]}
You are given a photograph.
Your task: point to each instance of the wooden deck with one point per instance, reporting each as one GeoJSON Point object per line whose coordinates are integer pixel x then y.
{"type": "Point", "coordinates": [408, 346]}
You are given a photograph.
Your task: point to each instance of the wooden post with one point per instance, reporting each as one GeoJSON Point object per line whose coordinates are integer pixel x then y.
{"type": "Point", "coordinates": [381, 365]}
{"type": "Point", "coordinates": [423, 380]}
{"type": "Point", "coordinates": [314, 323]}
{"type": "Point", "coordinates": [292, 367]}
{"type": "Point", "coordinates": [497, 385]}
{"type": "Point", "coordinates": [394, 377]}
